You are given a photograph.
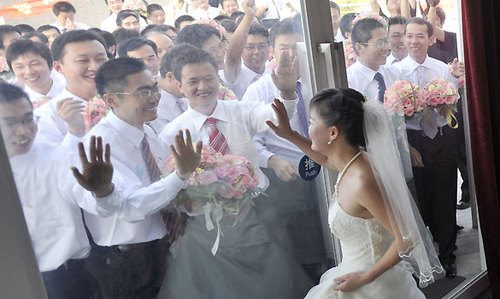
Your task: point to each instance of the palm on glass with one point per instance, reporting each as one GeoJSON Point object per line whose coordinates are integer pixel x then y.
{"type": "Point", "coordinates": [97, 171]}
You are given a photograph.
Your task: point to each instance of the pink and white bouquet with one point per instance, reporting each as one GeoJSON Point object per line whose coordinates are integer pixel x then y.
{"type": "Point", "coordinates": [404, 98]}
{"type": "Point", "coordinates": [443, 96]}
{"type": "Point", "coordinates": [96, 110]}
{"type": "Point", "coordinates": [222, 184]}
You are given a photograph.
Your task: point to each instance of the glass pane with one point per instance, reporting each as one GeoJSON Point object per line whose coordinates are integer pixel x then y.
{"type": "Point", "coordinates": [396, 54]}
{"type": "Point", "coordinates": [242, 224]}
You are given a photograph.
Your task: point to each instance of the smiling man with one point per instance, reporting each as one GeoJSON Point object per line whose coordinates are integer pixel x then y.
{"type": "Point", "coordinates": [77, 55]}
{"type": "Point", "coordinates": [128, 260]}
{"type": "Point", "coordinates": [31, 63]}
{"type": "Point", "coordinates": [368, 74]}
{"type": "Point", "coordinates": [397, 40]}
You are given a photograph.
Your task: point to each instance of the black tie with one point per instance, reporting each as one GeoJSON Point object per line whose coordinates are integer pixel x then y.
{"type": "Point", "coordinates": [381, 86]}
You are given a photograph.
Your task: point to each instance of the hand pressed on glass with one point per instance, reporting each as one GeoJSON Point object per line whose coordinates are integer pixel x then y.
{"type": "Point", "coordinates": [97, 172]}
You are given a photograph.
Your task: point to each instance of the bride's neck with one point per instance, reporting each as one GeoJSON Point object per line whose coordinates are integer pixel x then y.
{"type": "Point", "coordinates": [341, 155]}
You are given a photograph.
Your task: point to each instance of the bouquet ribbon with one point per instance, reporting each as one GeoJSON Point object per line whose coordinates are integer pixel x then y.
{"type": "Point", "coordinates": [215, 210]}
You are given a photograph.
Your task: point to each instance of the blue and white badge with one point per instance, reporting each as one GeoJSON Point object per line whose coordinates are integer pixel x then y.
{"type": "Point", "coordinates": [308, 169]}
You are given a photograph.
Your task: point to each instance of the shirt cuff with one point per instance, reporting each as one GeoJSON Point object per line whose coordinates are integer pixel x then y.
{"type": "Point", "coordinates": [263, 158]}
{"type": "Point", "coordinates": [71, 141]}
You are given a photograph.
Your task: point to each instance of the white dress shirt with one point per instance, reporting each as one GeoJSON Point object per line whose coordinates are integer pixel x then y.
{"type": "Point", "coordinates": [51, 201]}
{"type": "Point", "coordinates": [391, 59]}
{"type": "Point", "coordinates": [268, 143]}
{"type": "Point", "coordinates": [78, 26]}
{"type": "Point", "coordinates": [237, 121]}
{"type": "Point", "coordinates": [141, 200]}
{"type": "Point", "coordinates": [55, 90]}
{"type": "Point", "coordinates": [422, 74]}
{"type": "Point", "coordinates": [169, 108]}
{"type": "Point", "coordinates": [109, 23]}
{"type": "Point", "coordinates": [200, 14]}
{"type": "Point", "coordinates": [244, 79]}
{"type": "Point", "coordinates": [52, 129]}
{"type": "Point", "coordinates": [361, 78]}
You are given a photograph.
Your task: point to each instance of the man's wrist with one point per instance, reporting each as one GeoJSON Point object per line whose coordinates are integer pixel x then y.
{"type": "Point", "coordinates": [105, 191]}
{"type": "Point", "coordinates": [288, 94]}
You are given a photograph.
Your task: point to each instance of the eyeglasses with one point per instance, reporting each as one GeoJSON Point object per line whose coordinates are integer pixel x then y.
{"type": "Point", "coordinates": [14, 124]}
{"type": "Point", "coordinates": [143, 94]}
{"type": "Point", "coordinates": [381, 44]}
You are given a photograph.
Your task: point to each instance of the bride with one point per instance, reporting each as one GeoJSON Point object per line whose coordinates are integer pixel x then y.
{"type": "Point", "coordinates": [372, 213]}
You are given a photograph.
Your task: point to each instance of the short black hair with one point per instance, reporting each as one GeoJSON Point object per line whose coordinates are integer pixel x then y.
{"type": "Point", "coordinates": [236, 14]}
{"type": "Point", "coordinates": [399, 20]}
{"type": "Point", "coordinates": [112, 75]}
{"type": "Point", "coordinates": [6, 29]}
{"type": "Point", "coordinates": [166, 62]}
{"type": "Point", "coordinates": [345, 23]}
{"type": "Point", "coordinates": [108, 38]}
{"type": "Point", "coordinates": [133, 44]}
{"type": "Point", "coordinates": [63, 6]}
{"type": "Point", "coordinates": [24, 46]}
{"type": "Point", "coordinates": [125, 14]}
{"type": "Point", "coordinates": [43, 28]}
{"type": "Point", "coordinates": [181, 19]}
{"type": "Point", "coordinates": [196, 34]}
{"type": "Point", "coordinates": [362, 31]}
{"type": "Point", "coordinates": [41, 37]}
{"type": "Point", "coordinates": [122, 34]}
{"type": "Point", "coordinates": [73, 36]}
{"type": "Point", "coordinates": [420, 21]}
{"type": "Point", "coordinates": [342, 108]}
{"type": "Point", "coordinates": [285, 26]}
{"type": "Point", "coordinates": [222, 17]}
{"type": "Point", "coordinates": [188, 54]}
{"type": "Point", "coordinates": [147, 29]}
{"type": "Point", "coordinates": [153, 7]}
{"type": "Point", "coordinates": [164, 28]}
{"type": "Point", "coordinates": [334, 6]}
{"type": "Point", "coordinates": [229, 25]}
{"type": "Point", "coordinates": [24, 28]}
{"type": "Point", "coordinates": [10, 93]}
{"type": "Point", "coordinates": [256, 29]}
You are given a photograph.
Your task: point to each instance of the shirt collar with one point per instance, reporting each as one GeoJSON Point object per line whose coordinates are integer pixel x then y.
{"type": "Point", "coordinates": [67, 94]}
{"type": "Point", "coordinates": [413, 65]}
{"type": "Point", "coordinates": [199, 119]}
{"type": "Point", "coordinates": [365, 71]}
{"type": "Point", "coordinates": [133, 134]}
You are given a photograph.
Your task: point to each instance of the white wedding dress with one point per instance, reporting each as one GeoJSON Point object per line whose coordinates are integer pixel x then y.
{"type": "Point", "coordinates": [363, 242]}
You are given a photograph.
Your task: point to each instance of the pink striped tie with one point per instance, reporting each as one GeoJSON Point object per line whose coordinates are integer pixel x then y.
{"type": "Point", "coordinates": [216, 139]}
{"type": "Point", "coordinates": [153, 170]}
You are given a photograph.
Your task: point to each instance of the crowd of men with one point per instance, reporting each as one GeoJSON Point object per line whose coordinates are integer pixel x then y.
{"type": "Point", "coordinates": [139, 83]}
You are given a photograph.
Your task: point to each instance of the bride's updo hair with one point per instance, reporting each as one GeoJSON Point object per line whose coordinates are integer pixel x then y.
{"type": "Point", "coordinates": [342, 108]}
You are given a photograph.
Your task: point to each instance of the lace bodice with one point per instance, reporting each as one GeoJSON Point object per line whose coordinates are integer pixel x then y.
{"type": "Point", "coordinates": [362, 240]}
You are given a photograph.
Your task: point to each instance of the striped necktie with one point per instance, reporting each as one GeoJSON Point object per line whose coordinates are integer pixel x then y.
{"type": "Point", "coordinates": [301, 110]}
{"type": "Point", "coordinates": [153, 170]}
{"type": "Point", "coordinates": [216, 139]}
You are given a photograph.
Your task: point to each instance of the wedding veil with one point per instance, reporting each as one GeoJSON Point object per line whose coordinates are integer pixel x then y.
{"type": "Point", "coordinates": [415, 245]}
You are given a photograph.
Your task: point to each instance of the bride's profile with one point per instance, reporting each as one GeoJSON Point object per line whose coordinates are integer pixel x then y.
{"type": "Point", "coordinates": [372, 213]}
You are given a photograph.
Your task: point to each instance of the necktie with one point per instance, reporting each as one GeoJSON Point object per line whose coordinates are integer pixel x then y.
{"type": "Point", "coordinates": [301, 110]}
{"type": "Point", "coordinates": [153, 170]}
{"type": "Point", "coordinates": [216, 139]}
{"type": "Point", "coordinates": [381, 86]}
{"type": "Point", "coordinates": [420, 75]}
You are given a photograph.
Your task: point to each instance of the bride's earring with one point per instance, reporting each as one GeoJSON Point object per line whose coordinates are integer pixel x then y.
{"type": "Point", "coordinates": [330, 142]}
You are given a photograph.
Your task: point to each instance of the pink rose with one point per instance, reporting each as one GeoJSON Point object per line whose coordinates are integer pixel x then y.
{"type": "Point", "coordinates": [206, 178]}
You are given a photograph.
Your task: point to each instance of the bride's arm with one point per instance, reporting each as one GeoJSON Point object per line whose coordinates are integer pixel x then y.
{"type": "Point", "coordinates": [371, 199]}
{"type": "Point", "coordinates": [283, 129]}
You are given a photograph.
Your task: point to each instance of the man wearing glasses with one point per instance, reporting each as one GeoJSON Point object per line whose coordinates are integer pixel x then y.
{"type": "Point", "coordinates": [129, 259]}
{"type": "Point", "coordinates": [368, 74]}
